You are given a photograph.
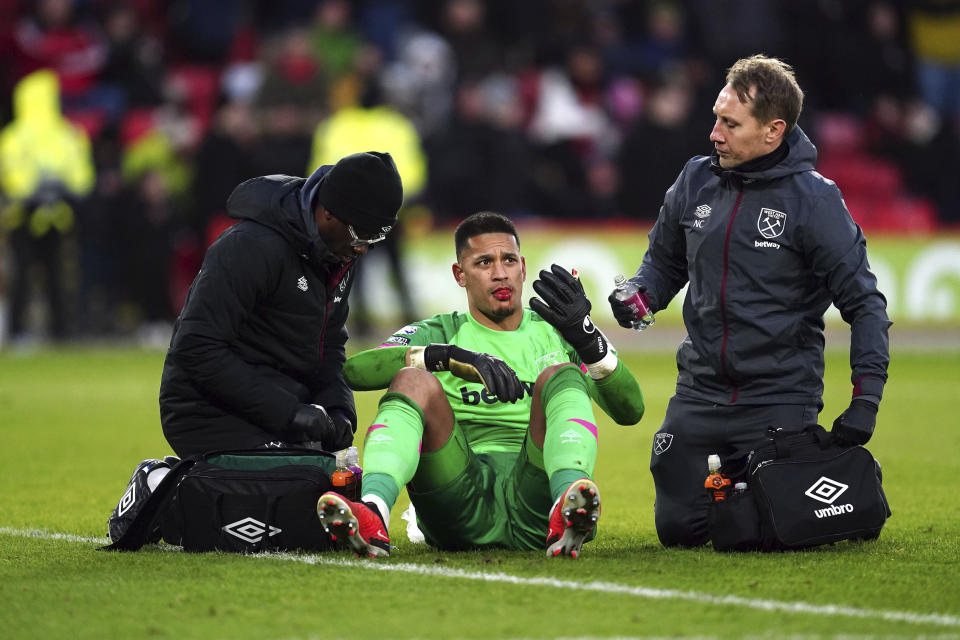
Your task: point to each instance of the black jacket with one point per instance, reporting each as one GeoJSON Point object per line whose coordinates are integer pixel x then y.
{"type": "Point", "coordinates": [262, 329]}
{"type": "Point", "coordinates": [764, 253]}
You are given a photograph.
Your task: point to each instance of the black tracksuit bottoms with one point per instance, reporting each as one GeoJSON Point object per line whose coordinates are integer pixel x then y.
{"type": "Point", "coordinates": [692, 430]}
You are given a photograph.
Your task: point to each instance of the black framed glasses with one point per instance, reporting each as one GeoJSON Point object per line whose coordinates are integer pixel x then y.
{"type": "Point", "coordinates": [357, 241]}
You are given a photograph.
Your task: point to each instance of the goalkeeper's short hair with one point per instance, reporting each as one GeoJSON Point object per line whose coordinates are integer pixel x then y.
{"type": "Point", "coordinates": [480, 223]}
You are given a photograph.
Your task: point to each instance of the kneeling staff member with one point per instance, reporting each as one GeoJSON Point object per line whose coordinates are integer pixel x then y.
{"type": "Point", "coordinates": [256, 358]}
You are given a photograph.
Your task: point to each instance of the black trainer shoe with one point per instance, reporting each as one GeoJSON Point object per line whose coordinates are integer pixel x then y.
{"type": "Point", "coordinates": [132, 501]}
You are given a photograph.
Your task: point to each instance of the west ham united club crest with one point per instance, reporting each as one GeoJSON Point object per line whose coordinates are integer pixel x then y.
{"type": "Point", "coordinates": [662, 442]}
{"type": "Point", "coordinates": [771, 223]}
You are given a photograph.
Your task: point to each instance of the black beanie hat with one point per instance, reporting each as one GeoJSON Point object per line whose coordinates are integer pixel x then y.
{"type": "Point", "coordinates": [363, 190]}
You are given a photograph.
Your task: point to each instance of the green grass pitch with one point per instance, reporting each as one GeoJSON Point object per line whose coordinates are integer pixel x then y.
{"type": "Point", "coordinates": [75, 422]}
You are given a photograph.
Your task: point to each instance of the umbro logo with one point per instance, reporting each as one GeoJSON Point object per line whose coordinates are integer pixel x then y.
{"type": "Point", "coordinates": [128, 499]}
{"type": "Point", "coordinates": [250, 530]}
{"type": "Point", "coordinates": [302, 283]}
{"type": "Point", "coordinates": [378, 438]}
{"type": "Point", "coordinates": [826, 490]}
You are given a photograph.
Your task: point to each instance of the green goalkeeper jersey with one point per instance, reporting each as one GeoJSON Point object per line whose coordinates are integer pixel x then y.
{"type": "Point", "coordinates": [489, 423]}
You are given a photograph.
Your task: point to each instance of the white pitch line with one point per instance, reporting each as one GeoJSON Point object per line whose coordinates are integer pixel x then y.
{"type": "Point", "coordinates": [598, 586]}
{"type": "Point", "coordinates": [49, 535]}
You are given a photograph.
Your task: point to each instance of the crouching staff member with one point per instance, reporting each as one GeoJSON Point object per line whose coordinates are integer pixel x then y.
{"type": "Point", "coordinates": [256, 358]}
{"type": "Point", "coordinates": [766, 244]}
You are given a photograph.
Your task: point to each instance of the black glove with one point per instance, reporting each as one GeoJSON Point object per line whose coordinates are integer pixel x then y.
{"type": "Point", "coordinates": [493, 373]}
{"type": "Point", "coordinates": [334, 432]}
{"type": "Point", "coordinates": [566, 307]}
{"type": "Point", "coordinates": [621, 312]}
{"type": "Point", "coordinates": [343, 430]}
{"type": "Point", "coordinates": [855, 425]}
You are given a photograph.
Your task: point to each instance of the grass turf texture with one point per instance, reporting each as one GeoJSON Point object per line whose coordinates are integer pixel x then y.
{"type": "Point", "coordinates": [75, 423]}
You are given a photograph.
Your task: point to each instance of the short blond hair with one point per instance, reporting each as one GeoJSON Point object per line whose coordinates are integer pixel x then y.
{"type": "Point", "coordinates": [776, 93]}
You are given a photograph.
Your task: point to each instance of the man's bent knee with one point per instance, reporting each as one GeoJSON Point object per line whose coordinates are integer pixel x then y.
{"type": "Point", "coordinates": [677, 527]}
{"type": "Point", "coordinates": [548, 373]}
{"type": "Point", "coordinates": [420, 386]}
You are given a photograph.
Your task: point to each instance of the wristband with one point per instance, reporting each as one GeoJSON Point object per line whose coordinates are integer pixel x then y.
{"type": "Point", "coordinates": [605, 367]}
{"type": "Point", "coordinates": [416, 358]}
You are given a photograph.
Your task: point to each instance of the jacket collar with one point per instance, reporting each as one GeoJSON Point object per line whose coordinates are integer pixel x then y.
{"type": "Point", "coordinates": [796, 154]}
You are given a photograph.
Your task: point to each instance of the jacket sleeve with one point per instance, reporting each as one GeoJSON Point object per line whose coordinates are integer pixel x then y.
{"type": "Point", "coordinates": [236, 273]}
{"type": "Point", "coordinates": [664, 267]}
{"type": "Point", "coordinates": [330, 388]}
{"type": "Point", "coordinates": [837, 251]}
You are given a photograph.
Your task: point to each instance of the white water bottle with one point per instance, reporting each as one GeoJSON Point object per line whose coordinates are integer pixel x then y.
{"type": "Point", "coordinates": [713, 463]}
{"type": "Point", "coordinates": [629, 294]}
{"type": "Point", "coordinates": [353, 461]}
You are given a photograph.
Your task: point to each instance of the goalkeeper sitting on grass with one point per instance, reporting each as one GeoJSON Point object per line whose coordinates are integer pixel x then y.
{"type": "Point", "coordinates": [488, 418]}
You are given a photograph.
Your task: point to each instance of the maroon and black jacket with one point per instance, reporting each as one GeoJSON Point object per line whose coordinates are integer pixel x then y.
{"type": "Point", "coordinates": [765, 251]}
{"type": "Point", "coordinates": [262, 329]}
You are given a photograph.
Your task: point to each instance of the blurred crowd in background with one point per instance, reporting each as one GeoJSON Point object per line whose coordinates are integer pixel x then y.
{"type": "Point", "coordinates": [560, 110]}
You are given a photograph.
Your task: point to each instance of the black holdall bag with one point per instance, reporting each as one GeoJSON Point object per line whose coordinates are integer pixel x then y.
{"type": "Point", "coordinates": [250, 501]}
{"type": "Point", "coordinates": [806, 491]}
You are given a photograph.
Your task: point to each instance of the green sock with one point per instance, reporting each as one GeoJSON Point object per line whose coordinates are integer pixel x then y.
{"type": "Point", "coordinates": [392, 447]}
{"type": "Point", "coordinates": [384, 487]}
{"type": "Point", "coordinates": [560, 480]}
{"type": "Point", "coordinates": [570, 444]}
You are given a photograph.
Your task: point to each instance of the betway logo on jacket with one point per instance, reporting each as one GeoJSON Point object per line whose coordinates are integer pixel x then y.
{"type": "Point", "coordinates": [476, 397]}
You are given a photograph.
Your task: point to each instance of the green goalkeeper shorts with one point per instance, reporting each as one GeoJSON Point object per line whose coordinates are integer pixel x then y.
{"type": "Point", "coordinates": [466, 500]}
